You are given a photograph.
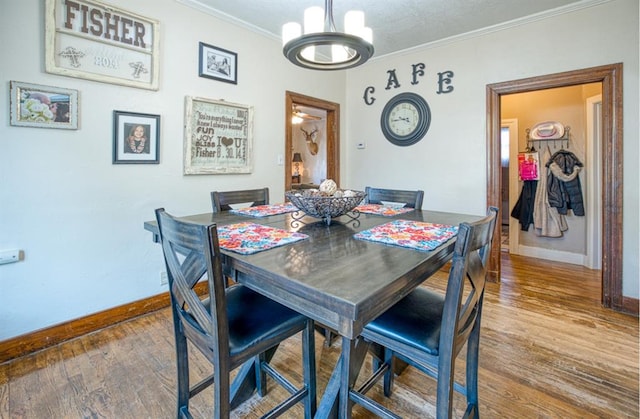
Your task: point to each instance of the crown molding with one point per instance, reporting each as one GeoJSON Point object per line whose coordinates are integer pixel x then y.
{"type": "Point", "coordinates": [547, 14]}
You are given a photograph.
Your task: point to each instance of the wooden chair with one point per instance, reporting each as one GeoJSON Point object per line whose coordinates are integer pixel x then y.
{"type": "Point", "coordinates": [427, 330]}
{"type": "Point", "coordinates": [233, 326]}
{"type": "Point", "coordinates": [411, 199]}
{"type": "Point", "coordinates": [222, 201]}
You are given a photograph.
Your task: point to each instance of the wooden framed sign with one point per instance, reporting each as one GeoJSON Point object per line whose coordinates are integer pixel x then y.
{"type": "Point", "coordinates": [96, 41]}
{"type": "Point", "coordinates": [218, 137]}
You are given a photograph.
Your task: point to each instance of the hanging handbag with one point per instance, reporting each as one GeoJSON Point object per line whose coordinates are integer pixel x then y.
{"type": "Point", "coordinates": [529, 165]}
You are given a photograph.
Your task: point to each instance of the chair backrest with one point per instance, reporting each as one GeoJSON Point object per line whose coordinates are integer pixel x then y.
{"type": "Point", "coordinates": [222, 201]}
{"type": "Point", "coordinates": [411, 199]}
{"type": "Point", "coordinates": [190, 251]}
{"type": "Point", "coordinates": [465, 288]}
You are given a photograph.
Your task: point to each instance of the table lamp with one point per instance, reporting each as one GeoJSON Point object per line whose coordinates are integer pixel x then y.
{"type": "Point", "coordinates": [297, 159]}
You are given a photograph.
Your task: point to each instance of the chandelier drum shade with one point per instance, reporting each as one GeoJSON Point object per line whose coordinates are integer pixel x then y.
{"type": "Point", "coordinates": [321, 46]}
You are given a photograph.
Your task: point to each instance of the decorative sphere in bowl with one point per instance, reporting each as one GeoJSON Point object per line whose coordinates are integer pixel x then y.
{"type": "Point", "coordinates": [320, 205]}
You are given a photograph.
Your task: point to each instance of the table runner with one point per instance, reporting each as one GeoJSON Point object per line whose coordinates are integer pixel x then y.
{"type": "Point", "coordinates": [411, 234]}
{"type": "Point", "coordinates": [248, 238]}
{"type": "Point", "coordinates": [383, 210]}
{"type": "Point", "coordinates": [265, 210]}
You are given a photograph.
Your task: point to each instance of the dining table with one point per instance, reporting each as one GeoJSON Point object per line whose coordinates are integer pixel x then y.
{"type": "Point", "coordinates": [334, 277]}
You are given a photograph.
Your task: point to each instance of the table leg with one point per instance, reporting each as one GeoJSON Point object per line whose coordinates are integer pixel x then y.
{"type": "Point", "coordinates": [353, 354]}
{"type": "Point", "coordinates": [328, 407]}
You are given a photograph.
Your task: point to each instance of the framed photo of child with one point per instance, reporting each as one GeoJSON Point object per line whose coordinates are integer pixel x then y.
{"type": "Point", "coordinates": [136, 138]}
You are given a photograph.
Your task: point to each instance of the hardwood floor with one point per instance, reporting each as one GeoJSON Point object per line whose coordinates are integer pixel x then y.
{"type": "Point", "coordinates": [547, 350]}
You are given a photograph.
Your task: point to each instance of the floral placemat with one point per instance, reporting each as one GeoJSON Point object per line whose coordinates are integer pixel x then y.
{"type": "Point", "coordinates": [383, 210]}
{"type": "Point", "coordinates": [412, 234]}
{"type": "Point", "coordinates": [248, 238]}
{"type": "Point", "coordinates": [265, 210]}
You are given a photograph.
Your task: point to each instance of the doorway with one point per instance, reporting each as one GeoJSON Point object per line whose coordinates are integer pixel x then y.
{"type": "Point", "coordinates": [331, 130]}
{"type": "Point", "coordinates": [611, 177]}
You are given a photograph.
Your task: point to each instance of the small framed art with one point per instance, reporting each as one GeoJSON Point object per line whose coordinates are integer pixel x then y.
{"type": "Point", "coordinates": [217, 63]}
{"type": "Point", "coordinates": [34, 105]}
{"type": "Point", "coordinates": [136, 138]}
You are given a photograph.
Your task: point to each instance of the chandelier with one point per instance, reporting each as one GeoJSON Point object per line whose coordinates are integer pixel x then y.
{"type": "Point", "coordinates": [322, 47]}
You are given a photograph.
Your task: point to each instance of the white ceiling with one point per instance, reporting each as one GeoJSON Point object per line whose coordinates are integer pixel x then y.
{"type": "Point", "coordinates": [397, 24]}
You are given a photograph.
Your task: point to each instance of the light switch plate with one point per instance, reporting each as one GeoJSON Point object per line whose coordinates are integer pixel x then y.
{"type": "Point", "coordinates": [9, 256]}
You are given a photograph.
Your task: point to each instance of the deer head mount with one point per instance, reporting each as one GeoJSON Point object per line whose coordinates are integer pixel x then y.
{"type": "Point", "coordinates": [309, 137]}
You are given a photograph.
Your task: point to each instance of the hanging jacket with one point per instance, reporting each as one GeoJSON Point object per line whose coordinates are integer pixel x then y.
{"type": "Point", "coordinates": [563, 184]}
{"type": "Point", "coordinates": [546, 220]}
{"type": "Point", "coordinates": [523, 210]}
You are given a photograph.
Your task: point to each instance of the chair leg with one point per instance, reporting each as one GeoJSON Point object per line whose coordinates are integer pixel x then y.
{"type": "Point", "coordinates": [182, 366]}
{"type": "Point", "coordinates": [473, 345]}
{"type": "Point", "coordinates": [444, 396]}
{"type": "Point", "coordinates": [309, 369]}
{"type": "Point", "coordinates": [389, 375]}
{"type": "Point", "coordinates": [221, 390]}
{"type": "Point", "coordinates": [261, 376]}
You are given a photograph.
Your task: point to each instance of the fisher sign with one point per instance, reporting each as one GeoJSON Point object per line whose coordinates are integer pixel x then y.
{"type": "Point", "coordinates": [96, 41]}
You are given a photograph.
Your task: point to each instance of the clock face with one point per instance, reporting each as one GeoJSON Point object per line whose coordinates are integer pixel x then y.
{"type": "Point", "coordinates": [405, 119]}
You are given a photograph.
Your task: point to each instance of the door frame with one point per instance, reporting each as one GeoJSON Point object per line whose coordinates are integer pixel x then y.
{"type": "Point", "coordinates": [593, 108]}
{"type": "Point", "coordinates": [612, 181]}
{"type": "Point", "coordinates": [332, 125]}
{"type": "Point", "coordinates": [514, 226]}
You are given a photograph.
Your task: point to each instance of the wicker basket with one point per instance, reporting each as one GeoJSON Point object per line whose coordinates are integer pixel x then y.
{"type": "Point", "coordinates": [325, 207]}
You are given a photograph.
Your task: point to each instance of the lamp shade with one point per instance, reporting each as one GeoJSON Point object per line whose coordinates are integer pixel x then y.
{"type": "Point", "coordinates": [297, 158]}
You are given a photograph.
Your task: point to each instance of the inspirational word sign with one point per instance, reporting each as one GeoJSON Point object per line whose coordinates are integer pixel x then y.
{"type": "Point", "coordinates": [218, 137]}
{"type": "Point", "coordinates": [92, 40]}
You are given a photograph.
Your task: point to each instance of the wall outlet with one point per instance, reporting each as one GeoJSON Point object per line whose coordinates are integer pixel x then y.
{"type": "Point", "coordinates": [164, 280]}
{"type": "Point", "coordinates": [10, 256]}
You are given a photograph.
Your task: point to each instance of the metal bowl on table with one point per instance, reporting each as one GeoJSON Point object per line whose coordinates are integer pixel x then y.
{"type": "Point", "coordinates": [316, 204]}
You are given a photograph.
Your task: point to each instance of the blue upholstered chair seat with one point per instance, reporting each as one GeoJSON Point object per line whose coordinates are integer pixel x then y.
{"type": "Point", "coordinates": [253, 319]}
{"type": "Point", "coordinates": [416, 321]}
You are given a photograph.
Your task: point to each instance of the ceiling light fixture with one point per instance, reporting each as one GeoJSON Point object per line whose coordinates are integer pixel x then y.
{"type": "Point", "coordinates": [322, 47]}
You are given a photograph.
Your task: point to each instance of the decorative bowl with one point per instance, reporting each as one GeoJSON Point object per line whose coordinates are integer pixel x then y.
{"type": "Point", "coordinates": [312, 202]}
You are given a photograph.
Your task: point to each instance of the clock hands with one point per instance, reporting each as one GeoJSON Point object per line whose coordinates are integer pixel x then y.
{"type": "Point", "coordinates": [401, 119]}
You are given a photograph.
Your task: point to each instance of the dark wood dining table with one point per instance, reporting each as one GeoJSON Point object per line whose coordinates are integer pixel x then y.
{"type": "Point", "coordinates": [335, 279]}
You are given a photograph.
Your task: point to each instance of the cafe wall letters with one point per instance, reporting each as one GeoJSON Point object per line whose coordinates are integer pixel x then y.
{"type": "Point", "coordinates": [444, 82]}
{"type": "Point", "coordinates": [95, 41]}
{"type": "Point", "coordinates": [218, 137]}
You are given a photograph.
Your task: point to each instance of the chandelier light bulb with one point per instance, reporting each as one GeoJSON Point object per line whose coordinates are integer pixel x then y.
{"type": "Point", "coordinates": [354, 22]}
{"type": "Point", "coordinates": [313, 20]}
{"type": "Point", "coordinates": [290, 30]}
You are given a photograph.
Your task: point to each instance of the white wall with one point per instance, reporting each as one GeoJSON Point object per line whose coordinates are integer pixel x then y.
{"type": "Point", "coordinates": [449, 164]}
{"type": "Point", "coordinates": [78, 217]}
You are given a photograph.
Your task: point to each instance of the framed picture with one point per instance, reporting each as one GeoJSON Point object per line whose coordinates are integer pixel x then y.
{"type": "Point", "coordinates": [34, 105]}
{"type": "Point", "coordinates": [92, 40]}
{"type": "Point", "coordinates": [218, 137]}
{"type": "Point", "coordinates": [217, 63]}
{"type": "Point", "coordinates": [136, 138]}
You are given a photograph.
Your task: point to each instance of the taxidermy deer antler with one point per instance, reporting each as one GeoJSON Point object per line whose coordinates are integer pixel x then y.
{"type": "Point", "coordinates": [309, 137]}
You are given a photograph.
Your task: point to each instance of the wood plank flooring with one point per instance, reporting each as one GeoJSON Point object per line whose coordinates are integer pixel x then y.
{"type": "Point", "coordinates": [548, 350]}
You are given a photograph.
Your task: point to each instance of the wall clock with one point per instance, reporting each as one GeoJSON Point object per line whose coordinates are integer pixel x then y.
{"type": "Point", "coordinates": [405, 119]}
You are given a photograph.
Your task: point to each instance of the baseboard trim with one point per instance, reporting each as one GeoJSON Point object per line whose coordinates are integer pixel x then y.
{"type": "Point", "coordinates": [40, 339]}
{"type": "Point", "coordinates": [630, 305]}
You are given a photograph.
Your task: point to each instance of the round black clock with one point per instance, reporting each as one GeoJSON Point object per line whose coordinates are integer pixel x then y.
{"type": "Point", "coordinates": [405, 119]}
